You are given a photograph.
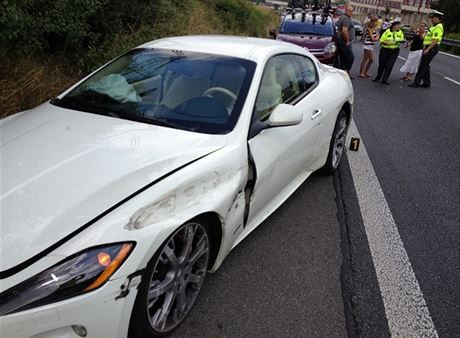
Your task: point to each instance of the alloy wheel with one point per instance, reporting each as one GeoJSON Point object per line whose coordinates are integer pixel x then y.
{"type": "Point", "coordinates": [339, 141]}
{"type": "Point", "coordinates": [177, 277]}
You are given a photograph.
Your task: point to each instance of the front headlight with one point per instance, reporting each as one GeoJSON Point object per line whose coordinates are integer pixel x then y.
{"type": "Point", "coordinates": [330, 48]}
{"type": "Point", "coordinates": [75, 275]}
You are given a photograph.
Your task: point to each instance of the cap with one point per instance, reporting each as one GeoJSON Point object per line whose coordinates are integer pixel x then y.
{"type": "Point", "coordinates": [396, 20]}
{"type": "Point", "coordinates": [436, 13]}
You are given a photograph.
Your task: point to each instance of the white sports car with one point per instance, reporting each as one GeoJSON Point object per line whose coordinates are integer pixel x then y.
{"type": "Point", "coordinates": [119, 195]}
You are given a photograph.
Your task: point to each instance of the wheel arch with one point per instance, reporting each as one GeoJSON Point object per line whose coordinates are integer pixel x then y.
{"type": "Point", "coordinates": [215, 225]}
{"type": "Point", "coordinates": [347, 108]}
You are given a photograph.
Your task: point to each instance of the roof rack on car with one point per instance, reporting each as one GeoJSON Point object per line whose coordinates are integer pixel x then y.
{"type": "Point", "coordinates": [299, 5]}
{"type": "Point", "coordinates": [324, 9]}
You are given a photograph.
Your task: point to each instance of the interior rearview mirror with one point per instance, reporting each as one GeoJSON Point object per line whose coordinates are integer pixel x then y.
{"type": "Point", "coordinates": [285, 115]}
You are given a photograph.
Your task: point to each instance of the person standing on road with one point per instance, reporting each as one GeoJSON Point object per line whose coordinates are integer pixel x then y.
{"type": "Point", "coordinates": [389, 50]}
{"type": "Point", "coordinates": [366, 21]}
{"type": "Point", "coordinates": [410, 67]}
{"type": "Point", "coordinates": [431, 43]}
{"type": "Point", "coordinates": [345, 35]}
{"type": "Point", "coordinates": [370, 36]}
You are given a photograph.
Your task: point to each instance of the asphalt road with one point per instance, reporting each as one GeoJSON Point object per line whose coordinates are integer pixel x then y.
{"type": "Point", "coordinates": [308, 271]}
{"type": "Point", "coordinates": [283, 280]}
{"type": "Point", "coordinates": [413, 139]}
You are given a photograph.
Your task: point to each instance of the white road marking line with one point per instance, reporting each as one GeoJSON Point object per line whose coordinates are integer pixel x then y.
{"type": "Point", "coordinates": [405, 307]}
{"type": "Point", "coordinates": [454, 56]}
{"type": "Point", "coordinates": [447, 78]}
{"type": "Point", "coordinates": [452, 80]}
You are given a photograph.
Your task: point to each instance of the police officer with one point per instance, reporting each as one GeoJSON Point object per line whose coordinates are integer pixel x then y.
{"type": "Point", "coordinates": [389, 50]}
{"type": "Point", "coordinates": [431, 44]}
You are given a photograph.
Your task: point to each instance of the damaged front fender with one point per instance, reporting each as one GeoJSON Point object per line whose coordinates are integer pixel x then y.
{"type": "Point", "coordinates": [209, 190]}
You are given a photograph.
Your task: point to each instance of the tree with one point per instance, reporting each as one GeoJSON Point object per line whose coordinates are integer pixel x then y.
{"type": "Point", "coordinates": [451, 10]}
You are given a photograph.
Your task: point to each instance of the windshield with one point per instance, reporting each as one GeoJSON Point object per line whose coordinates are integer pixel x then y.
{"type": "Point", "coordinates": [314, 25]}
{"type": "Point", "coordinates": [191, 91]}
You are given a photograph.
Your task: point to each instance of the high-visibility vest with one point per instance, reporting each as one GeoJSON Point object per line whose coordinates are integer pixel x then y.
{"type": "Point", "coordinates": [435, 32]}
{"type": "Point", "coordinates": [395, 38]}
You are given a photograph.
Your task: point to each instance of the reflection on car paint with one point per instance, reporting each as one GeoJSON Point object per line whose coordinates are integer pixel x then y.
{"type": "Point", "coordinates": [193, 193]}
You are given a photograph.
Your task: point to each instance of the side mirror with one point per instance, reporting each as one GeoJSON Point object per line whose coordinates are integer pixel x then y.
{"type": "Point", "coordinates": [285, 115]}
{"type": "Point", "coordinates": [272, 32]}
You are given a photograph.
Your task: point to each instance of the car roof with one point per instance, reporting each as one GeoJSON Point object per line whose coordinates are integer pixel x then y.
{"type": "Point", "coordinates": [249, 48]}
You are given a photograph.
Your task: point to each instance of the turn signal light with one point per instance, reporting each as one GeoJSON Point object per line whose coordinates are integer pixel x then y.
{"type": "Point", "coordinates": [111, 266]}
{"type": "Point", "coordinates": [104, 259]}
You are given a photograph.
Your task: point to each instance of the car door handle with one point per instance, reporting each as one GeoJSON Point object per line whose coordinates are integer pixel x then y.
{"type": "Point", "coordinates": [316, 113]}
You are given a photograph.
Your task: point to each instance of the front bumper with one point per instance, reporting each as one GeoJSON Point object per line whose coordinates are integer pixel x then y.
{"type": "Point", "coordinates": [327, 59]}
{"type": "Point", "coordinates": [98, 312]}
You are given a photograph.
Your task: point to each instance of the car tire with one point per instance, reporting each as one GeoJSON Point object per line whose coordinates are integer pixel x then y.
{"type": "Point", "coordinates": [171, 282]}
{"type": "Point", "coordinates": [337, 145]}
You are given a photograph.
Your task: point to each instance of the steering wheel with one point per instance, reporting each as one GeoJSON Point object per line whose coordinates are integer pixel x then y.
{"type": "Point", "coordinates": [226, 96]}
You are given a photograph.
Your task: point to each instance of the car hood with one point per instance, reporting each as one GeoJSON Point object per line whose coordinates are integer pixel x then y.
{"type": "Point", "coordinates": [312, 42]}
{"type": "Point", "coordinates": [61, 168]}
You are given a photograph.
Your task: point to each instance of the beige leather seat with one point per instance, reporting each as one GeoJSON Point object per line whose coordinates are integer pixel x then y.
{"type": "Point", "coordinates": [269, 94]}
{"type": "Point", "coordinates": [187, 82]}
{"type": "Point", "coordinates": [229, 77]}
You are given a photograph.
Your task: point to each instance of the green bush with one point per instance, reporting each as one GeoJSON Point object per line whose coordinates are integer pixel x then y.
{"type": "Point", "coordinates": [77, 29]}
{"type": "Point", "coordinates": [49, 44]}
{"type": "Point", "coordinates": [67, 26]}
{"type": "Point", "coordinates": [240, 16]}
{"type": "Point", "coordinates": [453, 36]}
{"type": "Point", "coordinates": [74, 26]}
{"type": "Point", "coordinates": [41, 25]}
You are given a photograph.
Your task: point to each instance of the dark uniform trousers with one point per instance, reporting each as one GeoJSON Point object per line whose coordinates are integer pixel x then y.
{"type": "Point", "coordinates": [387, 59]}
{"type": "Point", "coordinates": [423, 72]}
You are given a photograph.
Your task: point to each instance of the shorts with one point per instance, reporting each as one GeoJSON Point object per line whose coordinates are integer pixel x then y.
{"type": "Point", "coordinates": [368, 47]}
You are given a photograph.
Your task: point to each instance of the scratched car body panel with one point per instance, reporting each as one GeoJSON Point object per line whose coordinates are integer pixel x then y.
{"type": "Point", "coordinates": [217, 131]}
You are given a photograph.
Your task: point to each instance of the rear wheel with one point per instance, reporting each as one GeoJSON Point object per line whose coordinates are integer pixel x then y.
{"type": "Point", "coordinates": [172, 282]}
{"type": "Point", "coordinates": [337, 146]}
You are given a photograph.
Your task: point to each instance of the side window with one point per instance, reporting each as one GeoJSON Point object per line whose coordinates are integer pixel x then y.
{"type": "Point", "coordinates": [308, 69]}
{"type": "Point", "coordinates": [282, 82]}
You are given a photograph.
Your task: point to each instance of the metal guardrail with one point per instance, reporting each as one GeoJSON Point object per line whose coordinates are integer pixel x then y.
{"type": "Point", "coordinates": [450, 42]}
{"type": "Point", "coordinates": [445, 42]}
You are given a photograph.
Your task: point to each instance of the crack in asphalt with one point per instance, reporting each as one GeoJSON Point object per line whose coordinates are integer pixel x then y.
{"type": "Point", "coordinates": [345, 278]}
{"type": "Point", "coordinates": [362, 301]}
